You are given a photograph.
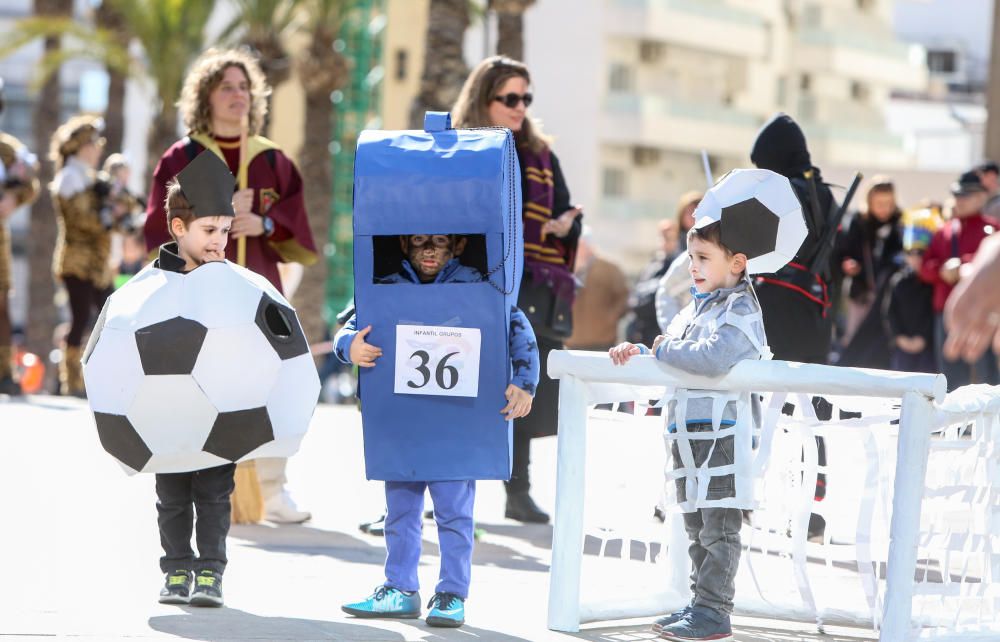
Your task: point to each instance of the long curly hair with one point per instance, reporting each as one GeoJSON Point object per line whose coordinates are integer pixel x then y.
{"type": "Point", "coordinates": [473, 104]}
{"type": "Point", "coordinates": [206, 74]}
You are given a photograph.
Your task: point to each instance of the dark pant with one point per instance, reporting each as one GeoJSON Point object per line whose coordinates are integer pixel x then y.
{"type": "Point", "coordinates": [923, 361]}
{"type": "Point", "coordinates": [520, 482]}
{"type": "Point", "coordinates": [179, 495]}
{"type": "Point", "coordinates": [959, 373]}
{"type": "Point", "coordinates": [84, 298]}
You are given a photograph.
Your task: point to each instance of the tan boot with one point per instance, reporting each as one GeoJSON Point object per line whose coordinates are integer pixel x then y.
{"type": "Point", "coordinates": [71, 373]}
{"type": "Point", "coordinates": [7, 384]}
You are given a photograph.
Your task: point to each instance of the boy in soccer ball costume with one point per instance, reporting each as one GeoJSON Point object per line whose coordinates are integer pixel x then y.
{"type": "Point", "coordinates": [433, 258]}
{"type": "Point", "coordinates": [199, 217]}
{"type": "Point", "coordinates": [719, 328]}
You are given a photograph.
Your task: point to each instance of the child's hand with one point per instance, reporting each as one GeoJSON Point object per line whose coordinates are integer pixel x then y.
{"type": "Point", "coordinates": [362, 354]}
{"type": "Point", "coordinates": [621, 353]}
{"type": "Point", "coordinates": [518, 403]}
{"type": "Point", "coordinates": [660, 338]}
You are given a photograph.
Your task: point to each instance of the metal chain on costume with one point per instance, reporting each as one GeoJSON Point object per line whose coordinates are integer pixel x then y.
{"type": "Point", "coordinates": [512, 223]}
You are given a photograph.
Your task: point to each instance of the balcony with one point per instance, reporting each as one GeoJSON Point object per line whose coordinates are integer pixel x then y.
{"type": "Point", "coordinates": [708, 25]}
{"type": "Point", "coordinates": [654, 121]}
{"type": "Point", "coordinates": [862, 55]}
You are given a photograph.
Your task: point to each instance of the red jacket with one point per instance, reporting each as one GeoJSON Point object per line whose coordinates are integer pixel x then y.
{"type": "Point", "coordinates": [969, 232]}
{"type": "Point", "coordinates": [277, 193]}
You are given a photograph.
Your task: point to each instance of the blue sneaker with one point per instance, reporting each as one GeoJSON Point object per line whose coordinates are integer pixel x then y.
{"type": "Point", "coordinates": [700, 624]}
{"type": "Point", "coordinates": [446, 609]}
{"type": "Point", "coordinates": [667, 620]}
{"type": "Point", "coordinates": [386, 602]}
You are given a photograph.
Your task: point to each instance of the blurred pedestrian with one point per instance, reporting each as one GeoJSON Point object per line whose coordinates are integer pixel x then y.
{"type": "Point", "coordinates": [86, 219]}
{"type": "Point", "coordinates": [989, 174]}
{"type": "Point", "coordinates": [601, 301]}
{"type": "Point", "coordinates": [498, 93]}
{"type": "Point", "coordinates": [972, 313]}
{"type": "Point", "coordinates": [643, 327]}
{"type": "Point", "coordinates": [908, 310]}
{"type": "Point", "coordinates": [952, 247]}
{"type": "Point", "coordinates": [869, 251]}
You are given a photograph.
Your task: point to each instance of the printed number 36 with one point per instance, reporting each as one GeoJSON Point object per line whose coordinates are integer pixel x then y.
{"type": "Point", "coordinates": [439, 371]}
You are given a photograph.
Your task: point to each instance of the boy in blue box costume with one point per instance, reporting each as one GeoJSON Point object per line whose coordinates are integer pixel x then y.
{"type": "Point", "coordinates": [456, 360]}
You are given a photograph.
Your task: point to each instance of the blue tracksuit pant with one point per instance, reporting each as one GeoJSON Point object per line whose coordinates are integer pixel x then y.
{"type": "Point", "coordinates": [453, 502]}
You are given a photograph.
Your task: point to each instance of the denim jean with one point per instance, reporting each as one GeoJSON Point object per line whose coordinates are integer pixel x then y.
{"type": "Point", "coordinates": [714, 532]}
{"type": "Point", "coordinates": [179, 496]}
{"type": "Point", "coordinates": [453, 504]}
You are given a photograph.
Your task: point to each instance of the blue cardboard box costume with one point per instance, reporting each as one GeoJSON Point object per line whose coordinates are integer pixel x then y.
{"type": "Point", "coordinates": [438, 181]}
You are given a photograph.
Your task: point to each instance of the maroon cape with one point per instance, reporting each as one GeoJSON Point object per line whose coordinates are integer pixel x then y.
{"type": "Point", "coordinates": [277, 187]}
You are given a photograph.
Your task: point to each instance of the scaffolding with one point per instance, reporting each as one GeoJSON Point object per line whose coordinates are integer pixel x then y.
{"type": "Point", "coordinates": [357, 107]}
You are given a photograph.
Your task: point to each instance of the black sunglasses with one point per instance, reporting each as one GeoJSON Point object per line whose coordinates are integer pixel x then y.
{"type": "Point", "coordinates": [511, 100]}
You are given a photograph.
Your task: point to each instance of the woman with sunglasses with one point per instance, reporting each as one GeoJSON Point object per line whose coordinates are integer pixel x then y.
{"type": "Point", "coordinates": [497, 94]}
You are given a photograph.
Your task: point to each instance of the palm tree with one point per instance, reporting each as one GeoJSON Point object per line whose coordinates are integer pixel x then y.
{"type": "Point", "coordinates": [444, 67]}
{"type": "Point", "coordinates": [171, 33]}
{"type": "Point", "coordinates": [510, 26]}
{"type": "Point", "coordinates": [42, 238]}
{"type": "Point", "coordinates": [111, 21]}
{"type": "Point", "coordinates": [261, 26]}
{"type": "Point", "coordinates": [321, 70]}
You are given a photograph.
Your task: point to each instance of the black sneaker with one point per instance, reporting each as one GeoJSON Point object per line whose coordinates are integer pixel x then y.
{"type": "Point", "coordinates": [207, 589]}
{"type": "Point", "coordinates": [177, 588]}
{"type": "Point", "coordinates": [521, 507]}
{"type": "Point", "coordinates": [375, 527]}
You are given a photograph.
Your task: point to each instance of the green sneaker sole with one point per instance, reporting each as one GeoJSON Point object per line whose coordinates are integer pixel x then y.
{"type": "Point", "coordinates": [406, 615]}
{"type": "Point", "coordinates": [444, 622]}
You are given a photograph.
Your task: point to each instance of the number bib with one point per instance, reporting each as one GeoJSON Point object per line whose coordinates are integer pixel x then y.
{"type": "Point", "coordinates": [437, 360]}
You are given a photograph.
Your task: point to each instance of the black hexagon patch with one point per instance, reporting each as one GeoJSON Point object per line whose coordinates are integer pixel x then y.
{"type": "Point", "coordinates": [281, 327]}
{"type": "Point", "coordinates": [749, 227]}
{"type": "Point", "coordinates": [121, 440]}
{"type": "Point", "coordinates": [237, 433]}
{"type": "Point", "coordinates": [170, 347]}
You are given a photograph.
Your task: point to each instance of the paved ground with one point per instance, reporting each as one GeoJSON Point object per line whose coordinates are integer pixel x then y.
{"type": "Point", "coordinates": [79, 550]}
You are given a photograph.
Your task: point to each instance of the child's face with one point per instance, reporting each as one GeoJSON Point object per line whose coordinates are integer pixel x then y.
{"type": "Point", "coordinates": [204, 240]}
{"type": "Point", "coordinates": [711, 268]}
{"type": "Point", "coordinates": [429, 253]}
{"type": "Point", "coordinates": [914, 258]}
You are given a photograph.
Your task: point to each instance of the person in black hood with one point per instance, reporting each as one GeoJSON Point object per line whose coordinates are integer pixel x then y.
{"type": "Point", "coordinates": [795, 301]}
{"type": "Point", "coordinates": [800, 328]}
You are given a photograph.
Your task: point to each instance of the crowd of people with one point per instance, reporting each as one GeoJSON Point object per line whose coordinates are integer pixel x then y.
{"type": "Point", "coordinates": [880, 287]}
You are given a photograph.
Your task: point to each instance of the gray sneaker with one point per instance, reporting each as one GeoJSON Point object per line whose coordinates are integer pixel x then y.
{"type": "Point", "coordinates": [667, 620]}
{"type": "Point", "coordinates": [700, 624]}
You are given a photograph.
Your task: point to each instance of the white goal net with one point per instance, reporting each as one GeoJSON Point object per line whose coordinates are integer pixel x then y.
{"type": "Point", "coordinates": [901, 535]}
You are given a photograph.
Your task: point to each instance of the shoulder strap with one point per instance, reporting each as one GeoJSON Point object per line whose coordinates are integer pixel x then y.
{"type": "Point", "coordinates": [192, 148]}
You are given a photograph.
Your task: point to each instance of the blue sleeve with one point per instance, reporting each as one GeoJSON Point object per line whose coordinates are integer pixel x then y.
{"type": "Point", "coordinates": [523, 352]}
{"type": "Point", "coordinates": [342, 341]}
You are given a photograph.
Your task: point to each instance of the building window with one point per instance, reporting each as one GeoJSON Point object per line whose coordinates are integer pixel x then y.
{"type": "Point", "coordinates": [620, 78]}
{"type": "Point", "coordinates": [942, 61]}
{"type": "Point", "coordinates": [805, 82]}
{"type": "Point", "coordinates": [866, 5]}
{"type": "Point", "coordinates": [614, 182]}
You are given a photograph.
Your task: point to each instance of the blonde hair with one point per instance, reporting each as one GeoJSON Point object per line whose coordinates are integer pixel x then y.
{"type": "Point", "coordinates": [73, 135]}
{"type": "Point", "coordinates": [473, 104]}
{"type": "Point", "coordinates": [206, 74]}
{"type": "Point", "coordinates": [115, 162]}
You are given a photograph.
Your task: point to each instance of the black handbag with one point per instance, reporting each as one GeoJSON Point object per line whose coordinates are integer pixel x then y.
{"type": "Point", "coordinates": [551, 316]}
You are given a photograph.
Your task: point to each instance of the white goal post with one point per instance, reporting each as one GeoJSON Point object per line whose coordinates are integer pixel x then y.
{"type": "Point", "coordinates": [587, 378]}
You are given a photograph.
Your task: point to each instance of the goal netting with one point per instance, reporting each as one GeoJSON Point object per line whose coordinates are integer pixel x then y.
{"type": "Point", "coordinates": [901, 535]}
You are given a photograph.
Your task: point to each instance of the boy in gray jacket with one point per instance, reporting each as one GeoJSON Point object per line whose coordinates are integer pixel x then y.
{"type": "Point", "coordinates": [719, 328]}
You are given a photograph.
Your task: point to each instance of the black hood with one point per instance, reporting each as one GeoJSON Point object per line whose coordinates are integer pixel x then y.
{"type": "Point", "coordinates": [781, 147]}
